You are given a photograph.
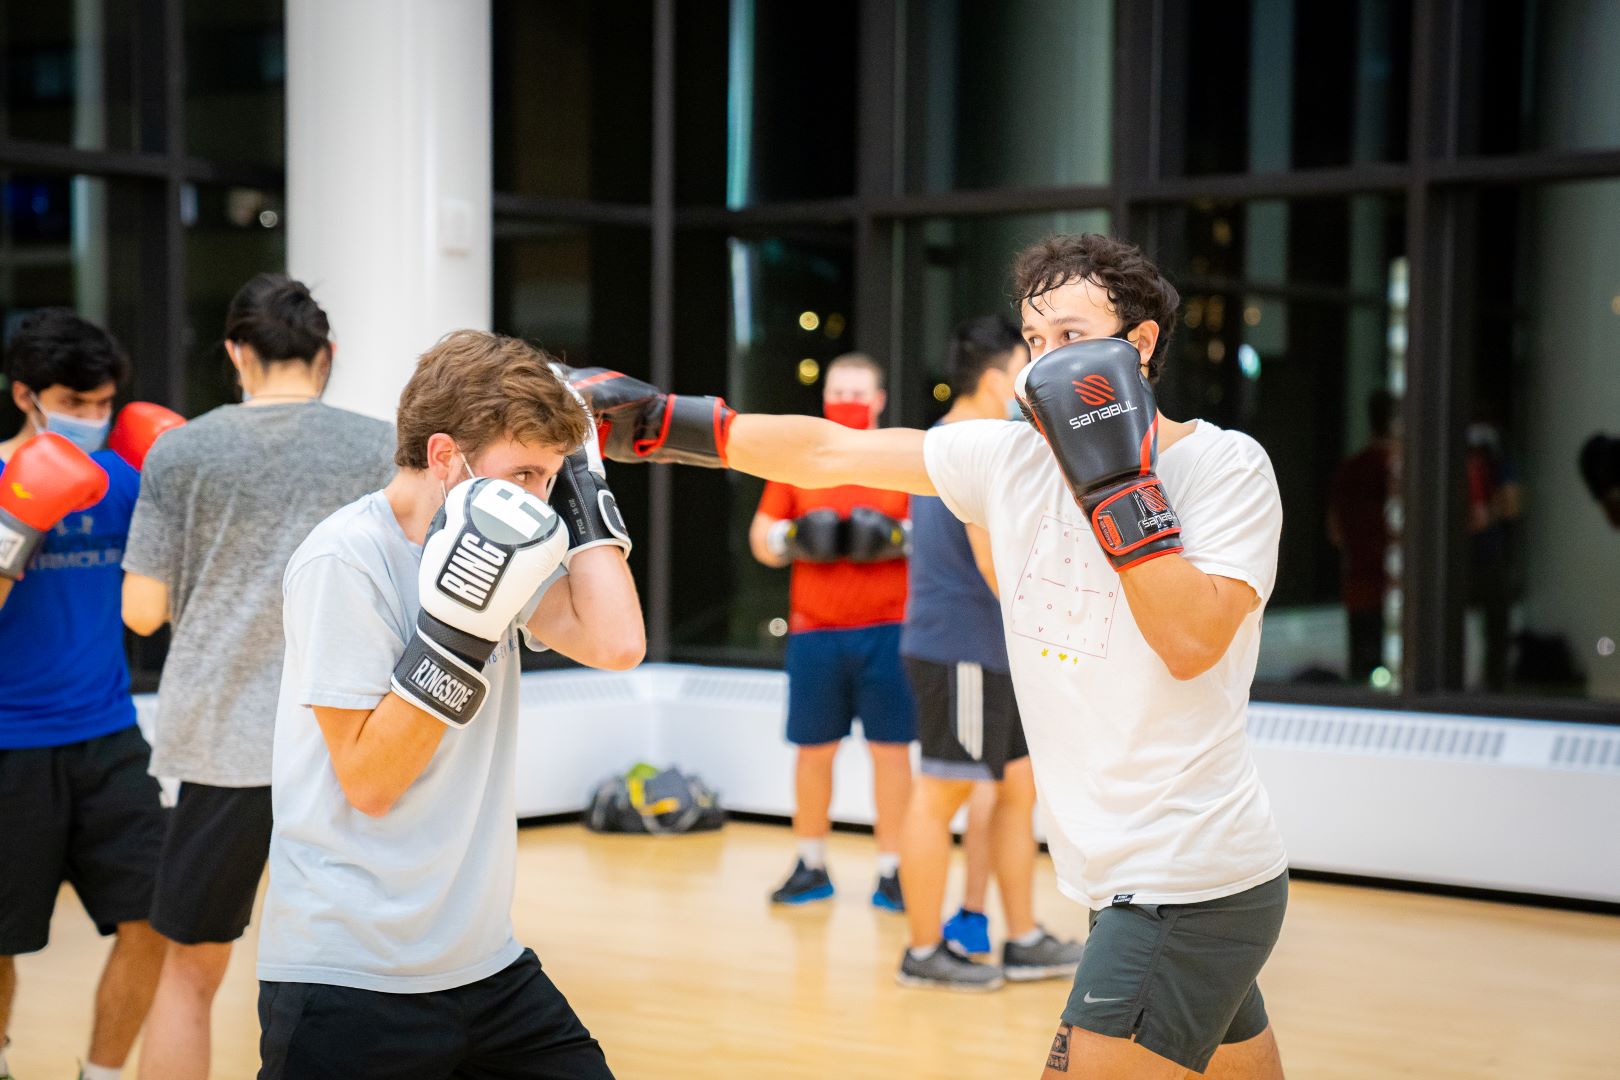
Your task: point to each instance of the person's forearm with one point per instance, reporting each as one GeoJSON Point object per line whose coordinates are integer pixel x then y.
{"type": "Point", "coordinates": [809, 452]}
{"type": "Point", "coordinates": [1178, 609]}
{"type": "Point", "coordinates": [384, 755]}
{"type": "Point", "coordinates": [594, 615]}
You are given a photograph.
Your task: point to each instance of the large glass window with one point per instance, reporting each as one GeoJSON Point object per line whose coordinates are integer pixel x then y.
{"type": "Point", "coordinates": [984, 111]}
{"type": "Point", "coordinates": [955, 269]}
{"type": "Point", "coordinates": [1542, 77]}
{"type": "Point", "coordinates": [766, 98]}
{"type": "Point", "coordinates": [1267, 85]}
{"type": "Point", "coordinates": [757, 320]}
{"type": "Point", "coordinates": [568, 123]}
{"type": "Point", "coordinates": [1293, 330]}
{"type": "Point", "coordinates": [232, 233]}
{"type": "Point", "coordinates": [1541, 467]}
{"type": "Point", "coordinates": [236, 81]}
{"type": "Point", "coordinates": [67, 73]}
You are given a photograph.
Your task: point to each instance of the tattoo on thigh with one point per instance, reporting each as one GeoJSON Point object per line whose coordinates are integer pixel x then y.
{"type": "Point", "coordinates": [1058, 1059]}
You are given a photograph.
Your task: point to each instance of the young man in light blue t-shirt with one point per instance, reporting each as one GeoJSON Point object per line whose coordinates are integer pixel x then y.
{"type": "Point", "coordinates": [387, 946]}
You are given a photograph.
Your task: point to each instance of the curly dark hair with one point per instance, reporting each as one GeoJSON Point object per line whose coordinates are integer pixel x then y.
{"type": "Point", "coordinates": [54, 346]}
{"type": "Point", "coordinates": [1136, 287]}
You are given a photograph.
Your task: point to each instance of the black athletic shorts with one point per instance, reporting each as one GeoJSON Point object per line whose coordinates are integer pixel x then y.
{"type": "Point", "coordinates": [1179, 978]}
{"type": "Point", "coordinates": [86, 813]}
{"type": "Point", "coordinates": [213, 856]}
{"type": "Point", "coordinates": [967, 720]}
{"type": "Point", "coordinates": [514, 1025]}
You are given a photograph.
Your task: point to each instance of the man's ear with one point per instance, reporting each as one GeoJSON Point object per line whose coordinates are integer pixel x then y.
{"type": "Point", "coordinates": [1146, 338]}
{"type": "Point", "coordinates": [879, 401]}
{"type": "Point", "coordinates": [441, 455]}
{"type": "Point", "coordinates": [22, 396]}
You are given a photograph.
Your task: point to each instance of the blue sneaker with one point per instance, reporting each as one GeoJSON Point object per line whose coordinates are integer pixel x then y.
{"type": "Point", "coordinates": [970, 930]}
{"type": "Point", "coordinates": [887, 894]}
{"type": "Point", "coordinates": [803, 886]}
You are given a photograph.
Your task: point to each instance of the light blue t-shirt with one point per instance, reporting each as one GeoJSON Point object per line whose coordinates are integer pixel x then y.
{"type": "Point", "coordinates": [419, 899]}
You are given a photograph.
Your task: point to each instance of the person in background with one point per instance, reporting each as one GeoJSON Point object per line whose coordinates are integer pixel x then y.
{"type": "Point", "coordinates": [1600, 468]}
{"type": "Point", "coordinates": [223, 503]}
{"type": "Point", "coordinates": [847, 546]}
{"type": "Point", "coordinates": [76, 803]}
{"type": "Point", "coordinates": [967, 717]}
{"type": "Point", "coordinates": [1358, 525]}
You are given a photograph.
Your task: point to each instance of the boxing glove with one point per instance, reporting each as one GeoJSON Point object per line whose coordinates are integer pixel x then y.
{"type": "Point", "coordinates": [496, 546]}
{"type": "Point", "coordinates": [815, 537]}
{"type": "Point", "coordinates": [1096, 411]}
{"type": "Point", "coordinates": [582, 499]}
{"type": "Point", "coordinates": [638, 422]}
{"type": "Point", "coordinates": [138, 425]}
{"type": "Point", "coordinates": [873, 536]}
{"type": "Point", "coordinates": [46, 479]}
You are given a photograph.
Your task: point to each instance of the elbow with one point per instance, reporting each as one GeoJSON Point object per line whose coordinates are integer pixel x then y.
{"type": "Point", "coordinates": [141, 622]}
{"type": "Point", "coordinates": [370, 799]}
{"type": "Point", "coordinates": [1189, 661]}
{"type": "Point", "coordinates": [624, 654]}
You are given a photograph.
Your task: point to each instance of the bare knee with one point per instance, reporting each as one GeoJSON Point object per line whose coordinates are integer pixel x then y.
{"type": "Point", "coordinates": [941, 799]}
{"type": "Point", "coordinates": [818, 754]}
{"type": "Point", "coordinates": [197, 968]}
{"type": "Point", "coordinates": [140, 937]}
{"type": "Point", "coordinates": [1016, 790]}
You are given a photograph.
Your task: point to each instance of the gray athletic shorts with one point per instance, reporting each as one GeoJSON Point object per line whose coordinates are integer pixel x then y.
{"type": "Point", "coordinates": [1179, 978]}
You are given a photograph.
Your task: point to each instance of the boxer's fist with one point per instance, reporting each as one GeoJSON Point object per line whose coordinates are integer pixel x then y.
{"type": "Point", "coordinates": [46, 479]}
{"type": "Point", "coordinates": [582, 499]}
{"type": "Point", "coordinates": [815, 537]}
{"type": "Point", "coordinates": [497, 545]}
{"type": "Point", "coordinates": [638, 422]}
{"type": "Point", "coordinates": [1097, 413]}
{"type": "Point", "coordinates": [873, 536]}
{"type": "Point", "coordinates": [138, 425]}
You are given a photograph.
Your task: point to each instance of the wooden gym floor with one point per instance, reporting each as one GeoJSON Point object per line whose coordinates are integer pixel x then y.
{"type": "Point", "coordinates": [681, 968]}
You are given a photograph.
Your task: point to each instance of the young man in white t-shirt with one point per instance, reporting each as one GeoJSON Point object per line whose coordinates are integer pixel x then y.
{"type": "Point", "coordinates": [1134, 555]}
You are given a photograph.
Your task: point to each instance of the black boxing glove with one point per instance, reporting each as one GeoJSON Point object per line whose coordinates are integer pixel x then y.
{"type": "Point", "coordinates": [873, 536]}
{"type": "Point", "coordinates": [638, 422]}
{"type": "Point", "coordinates": [815, 537]}
{"type": "Point", "coordinates": [1091, 403]}
{"type": "Point", "coordinates": [582, 499]}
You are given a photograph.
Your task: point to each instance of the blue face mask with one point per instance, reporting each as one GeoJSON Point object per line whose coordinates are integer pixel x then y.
{"type": "Point", "coordinates": [87, 435]}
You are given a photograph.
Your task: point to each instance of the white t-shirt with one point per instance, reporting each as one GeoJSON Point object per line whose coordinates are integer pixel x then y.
{"type": "Point", "coordinates": [419, 899]}
{"type": "Point", "coordinates": [1149, 787]}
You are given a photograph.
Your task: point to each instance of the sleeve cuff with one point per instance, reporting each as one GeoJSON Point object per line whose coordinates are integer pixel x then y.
{"type": "Point", "coordinates": [1236, 573]}
{"type": "Point", "coordinates": [328, 698]}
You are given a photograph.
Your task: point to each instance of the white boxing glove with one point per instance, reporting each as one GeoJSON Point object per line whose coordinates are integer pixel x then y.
{"type": "Point", "coordinates": [497, 544]}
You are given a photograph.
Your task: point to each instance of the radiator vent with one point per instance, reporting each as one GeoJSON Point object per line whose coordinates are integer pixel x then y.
{"type": "Point", "coordinates": [581, 689]}
{"type": "Point", "coordinates": [734, 689]}
{"type": "Point", "coordinates": [1597, 750]}
{"type": "Point", "coordinates": [1385, 734]}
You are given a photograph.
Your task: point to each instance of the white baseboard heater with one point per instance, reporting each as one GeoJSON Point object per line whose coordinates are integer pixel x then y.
{"type": "Point", "coordinates": [1475, 802]}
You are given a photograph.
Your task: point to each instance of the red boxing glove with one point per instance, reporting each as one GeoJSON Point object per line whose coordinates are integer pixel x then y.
{"type": "Point", "coordinates": [137, 428]}
{"type": "Point", "coordinates": [47, 479]}
{"type": "Point", "coordinates": [638, 422]}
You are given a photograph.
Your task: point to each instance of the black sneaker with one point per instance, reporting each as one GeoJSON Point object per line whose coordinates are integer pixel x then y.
{"type": "Point", "coordinates": [944, 968]}
{"type": "Point", "coordinates": [1048, 958]}
{"type": "Point", "coordinates": [887, 894]}
{"type": "Point", "coordinates": [803, 886]}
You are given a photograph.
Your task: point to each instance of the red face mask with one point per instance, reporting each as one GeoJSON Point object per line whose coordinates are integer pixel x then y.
{"type": "Point", "coordinates": [852, 414]}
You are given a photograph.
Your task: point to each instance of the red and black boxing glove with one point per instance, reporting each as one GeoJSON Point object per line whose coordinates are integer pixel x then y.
{"type": "Point", "coordinates": [46, 479]}
{"type": "Point", "coordinates": [638, 422]}
{"type": "Point", "coordinates": [138, 426]}
{"type": "Point", "coordinates": [1091, 403]}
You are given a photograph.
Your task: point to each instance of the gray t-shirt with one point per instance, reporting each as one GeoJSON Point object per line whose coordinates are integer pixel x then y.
{"type": "Point", "coordinates": [224, 501]}
{"type": "Point", "coordinates": [419, 899]}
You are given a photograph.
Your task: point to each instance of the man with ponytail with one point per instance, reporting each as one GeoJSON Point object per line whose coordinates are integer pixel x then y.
{"type": "Point", "coordinates": [223, 503]}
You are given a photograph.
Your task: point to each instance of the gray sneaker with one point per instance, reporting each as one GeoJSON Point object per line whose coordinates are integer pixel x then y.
{"type": "Point", "coordinates": [946, 969]}
{"type": "Point", "coordinates": [1048, 958]}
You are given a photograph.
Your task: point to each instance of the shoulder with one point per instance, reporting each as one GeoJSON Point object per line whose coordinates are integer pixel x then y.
{"type": "Point", "coordinates": [357, 424]}
{"type": "Point", "coordinates": [976, 438]}
{"type": "Point", "coordinates": [349, 534]}
{"type": "Point", "coordinates": [121, 477]}
{"type": "Point", "coordinates": [1214, 451]}
{"type": "Point", "coordinates": [183, 445]}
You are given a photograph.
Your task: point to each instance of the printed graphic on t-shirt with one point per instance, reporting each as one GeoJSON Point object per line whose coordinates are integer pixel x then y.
{"type": "Point", "coordinates": [1066, 593]}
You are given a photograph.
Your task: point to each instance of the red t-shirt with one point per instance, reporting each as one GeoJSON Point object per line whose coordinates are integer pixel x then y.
{"type": "Point", "coordinates": [840, 595]}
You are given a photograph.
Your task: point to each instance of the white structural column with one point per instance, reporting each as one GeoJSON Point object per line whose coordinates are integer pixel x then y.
{"type": "Point", "coordinates": [388, 180]}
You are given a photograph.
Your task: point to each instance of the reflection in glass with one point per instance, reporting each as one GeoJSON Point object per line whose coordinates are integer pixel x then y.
{"type": "Point", "coordinates": [67, 73]}
{"type": "Point", "coordinates": [236, 81]}
{"type": "Point", "coordinates": [980, 114]}
{"type": "Point", "coordinates": [1293, 330]}
{"type": "Point", "coordinates": [766, 353]}
{"type": "Point", "coordinates": [232, 233]}
{"type": "Point", "coordinates": [1542, 606]}
{"type": "Point", "coordinates": [1266, 85]}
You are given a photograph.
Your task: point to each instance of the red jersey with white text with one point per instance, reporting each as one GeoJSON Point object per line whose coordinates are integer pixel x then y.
{"type": "Point", "coordinates": [840, 595]}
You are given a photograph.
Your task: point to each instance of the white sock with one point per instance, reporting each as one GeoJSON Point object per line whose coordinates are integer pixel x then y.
{"type": "Point", "coordinates": [888, 863]}
{"type": "Point", "coordinates": [100, 1072]}
{"type": "Point", "coordinates": [4, 1044]}
{"type": "Point", "coordinates": [813, 853]}
{"type": "Point", "coordinates": [922, 954]}
{"type": "Point", "coordinates": [1030, 938]}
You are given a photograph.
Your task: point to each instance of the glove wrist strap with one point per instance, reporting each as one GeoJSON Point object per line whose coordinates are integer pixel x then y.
{"type": "Point", "coordinates": [18, 541]}
{"type": "Point", "coordinates": [1133, 521]}
{"type": "Point", "coordinates": [436, 679]}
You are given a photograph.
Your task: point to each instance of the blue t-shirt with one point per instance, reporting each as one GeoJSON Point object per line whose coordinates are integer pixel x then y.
{"type": "Point", "coordinates": [952, 617]}
{"type": "Point", "coordinates": [62, 627]}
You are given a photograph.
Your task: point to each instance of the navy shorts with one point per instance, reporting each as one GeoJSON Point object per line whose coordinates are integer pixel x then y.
{"type": "Point", "coordinates": [836, 675]}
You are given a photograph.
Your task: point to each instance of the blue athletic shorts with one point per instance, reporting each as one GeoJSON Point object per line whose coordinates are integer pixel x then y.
{"type": "Point", "coordinates": [836, 675]}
